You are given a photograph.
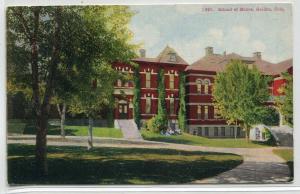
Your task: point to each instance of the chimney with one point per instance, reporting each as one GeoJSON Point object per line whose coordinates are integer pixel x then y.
{"type": "Point", "coordinates": [257, 55]}
{"type": "Point", "coordinates": [209, 51]}
{"type": "Point", "coordinates": [142, 53]}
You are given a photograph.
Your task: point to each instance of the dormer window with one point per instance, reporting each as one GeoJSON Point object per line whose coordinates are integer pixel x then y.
{"type": "Point", "coordinates": [173, 57]}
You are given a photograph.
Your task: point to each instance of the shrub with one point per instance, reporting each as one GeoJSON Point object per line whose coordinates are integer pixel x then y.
{"type": "Point", "coordinates": [270, 138]}
{"type": "Point", "coordinates": [155, 124]}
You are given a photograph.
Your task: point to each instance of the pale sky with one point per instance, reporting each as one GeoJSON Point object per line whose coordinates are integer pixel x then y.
{"type": "Point", "coordinates": [188, 29]}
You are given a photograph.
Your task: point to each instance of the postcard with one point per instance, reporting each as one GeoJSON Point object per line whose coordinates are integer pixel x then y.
{"type": "Point", "coordinates": [177, 94]}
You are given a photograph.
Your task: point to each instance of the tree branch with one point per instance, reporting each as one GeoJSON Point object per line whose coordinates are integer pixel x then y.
{"type": "Point", "coordinates": [54, 58]}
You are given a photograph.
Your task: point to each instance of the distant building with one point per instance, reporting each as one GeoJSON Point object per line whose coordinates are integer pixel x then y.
{"type": "Point", "coordinates": [202, 117]}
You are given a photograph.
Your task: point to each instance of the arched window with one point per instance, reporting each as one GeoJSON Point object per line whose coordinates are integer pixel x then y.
{"type": "Point", "coordinates": [206, 85]}
{"type": "Point", "coordinates": [198, 84]}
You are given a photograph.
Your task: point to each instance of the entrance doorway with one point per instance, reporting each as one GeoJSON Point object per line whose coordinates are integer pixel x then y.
{"type": "Point", "coordinates": [123, 110]}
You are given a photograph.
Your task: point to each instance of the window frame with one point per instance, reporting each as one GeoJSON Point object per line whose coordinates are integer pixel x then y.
{"type": "Point", "coordinates": [172, 104]}
{"type": "Point", "coordinates": [148, 79]}
{"type": "Point", "coordinates": [172, 81]}
{"type": "Point", "coordinates": [148, 105]}
{"type": "Point", "coordinates": [216, 131]}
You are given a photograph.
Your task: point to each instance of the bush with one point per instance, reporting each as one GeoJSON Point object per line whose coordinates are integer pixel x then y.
{"type": "Point", "coordinates": [270, 138]}
{"type": "Point", "coordinates": [155, 124]}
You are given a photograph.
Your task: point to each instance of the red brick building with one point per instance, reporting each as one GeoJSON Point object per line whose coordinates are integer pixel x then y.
{"type": "Point", "coordinates": [172, 63]}
{"type": "Point", "coordinates": [202, 117]}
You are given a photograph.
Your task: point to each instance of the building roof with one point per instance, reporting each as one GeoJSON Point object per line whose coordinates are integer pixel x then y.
{"type": "Point", "coordinates": [284, 65]}
{"type": "Point", "coordinates": [165, 57]}
{"type": "Point", "coordinates": [217, 63]}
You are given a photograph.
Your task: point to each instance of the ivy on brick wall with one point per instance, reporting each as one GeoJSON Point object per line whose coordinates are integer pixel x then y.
{"type": "Point", "coordinates": [182, 108]}
{"type": "Point", "coordinates": [137, 96]}
{"type": "Point", "coordinates": [162, 110]}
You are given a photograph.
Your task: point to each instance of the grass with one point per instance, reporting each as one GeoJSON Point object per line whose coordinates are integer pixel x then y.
{"type": "Point", "coordinates": [287, 155]}
{"type": "Point", "coordinates": [23, 127]}
{"type": "Point", "coordinates": [16, 126]}
{"type": "Point", "coordinates": [186, 138]}
{"type": "Point", "coordinates": [76, 165]}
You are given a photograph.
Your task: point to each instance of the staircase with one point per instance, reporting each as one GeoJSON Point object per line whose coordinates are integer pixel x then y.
{"type": "Point", "coordinates": [283, 135]}
{"type": "Point", "coordinates": [129, 129]}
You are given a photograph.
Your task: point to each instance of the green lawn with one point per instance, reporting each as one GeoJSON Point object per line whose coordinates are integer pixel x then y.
{"type": "Point", "coordinates": [22, 127]}
{"type": "Point", "coordinates": [288, 156]}
{"type": "Point", "coordinates": [16, 126]}
{"type": "Point", "coordinates": [201, 141]}
{"type": "Point", "coordinates": [76, 165]}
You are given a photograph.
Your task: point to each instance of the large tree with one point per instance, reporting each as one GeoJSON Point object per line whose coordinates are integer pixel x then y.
{"type": "Point", "coordinates": [46, 43]}
{"type": "Point", "coordinates": [240, 94]}
{"type": "Point", "coordinates": [95, 95]}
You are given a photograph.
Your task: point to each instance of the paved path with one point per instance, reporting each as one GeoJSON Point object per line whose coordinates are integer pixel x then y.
{"type": "Point", "coordinates": [129, 129]}
{"type": "Point", "coordinates": [260, 164]}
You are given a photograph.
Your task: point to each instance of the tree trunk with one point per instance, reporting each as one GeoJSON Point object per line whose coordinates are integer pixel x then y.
{"type": "Point", "coordinates": [41, 144]}
{"type": "Point", "coordinates": [247, 130]}
{"type": "Point", "coordinates": [235, 130]}
{"type": "Point", "coordinates": [90, 133]}
{"type": "Point", "coordinates": [62, 114]}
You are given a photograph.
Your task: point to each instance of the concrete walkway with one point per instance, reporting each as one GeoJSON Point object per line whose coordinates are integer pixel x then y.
{"type": "Point", "coordinates": [260, 164]}
{"type": "Point", "coordinates": [129, 129]}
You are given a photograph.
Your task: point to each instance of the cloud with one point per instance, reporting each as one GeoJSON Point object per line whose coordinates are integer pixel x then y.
{"type": "Point", "coordinates": [241, 33]}
{"type": "Point", "coordinates": [147, 34]}
{"type": "Point", "coordinates": [189, 9]}
{"type": "Point", "coordinates": [258, 45]}
{"type": "Point", "coordinates": [216, 35]}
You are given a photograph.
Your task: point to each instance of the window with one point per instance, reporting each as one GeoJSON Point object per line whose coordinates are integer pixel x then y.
{"type": "Point", "coordinates": [257, 133]}
{"type": "Point", "coordinates": [148, 79]}
{"type": "Point", "coordinates": [148, 105]}
{"type": "Point", "coordinates": [206, 85]}
{"type": "Point", "coordinates": [119, 83]}
{"type": "Point", "coordinates": [206, 131]}
{"type": "Point", "coordinates": [216, 113]}
{"type": "Point", "coordinates": [223, 131]}
{"type": "Point", "coordinates": [231, 131]}
{"type": "Point", "coordinates": [173, 57]}
{"type": "Point", "coordinates": [199, 131]}
{"type": "Point", "coordinates": [171, 81]}
{"type": "Point", "coordinates": [195, 132]}
{"type": "Point", "coordinates": [126, 84]}
{"type": "Point", "coordinates": [198, 84]}
{"type": "Point", "coordinates": [199, 112]}
{"type": "Point", "coordinates": [171, 105]}
{"type": "Point", "coordinates": [238, 132]}
{"type": "Point", "coordinates": [216, 129]}
{"type": "Point", "coordinates": [206, 112]}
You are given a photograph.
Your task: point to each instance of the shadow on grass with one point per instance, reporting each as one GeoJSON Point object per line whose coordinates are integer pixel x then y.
{"type": "Point", "coordinates": [52, 130]}
{"type": "Point", "coordinates": [76, 165]}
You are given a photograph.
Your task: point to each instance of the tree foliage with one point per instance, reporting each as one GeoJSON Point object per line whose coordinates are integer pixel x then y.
{"type": "Point", "coordinates": [182, 108]}
{"type": "Point", "coordinates": [161, 117]}
{"type": "Point", "coordinates": [285, 102]}
{"type": "Point", "coordinates": [60, 49]}
{"type": "Point", "coordinates": [240, 94]}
